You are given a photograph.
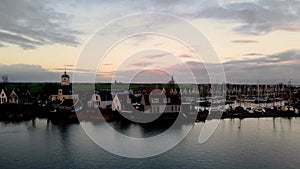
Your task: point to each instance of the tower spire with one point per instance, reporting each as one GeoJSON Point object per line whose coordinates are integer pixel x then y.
{"type": "Point", "coordinates": [65, 79]}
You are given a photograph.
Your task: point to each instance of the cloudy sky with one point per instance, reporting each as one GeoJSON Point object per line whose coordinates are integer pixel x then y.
{"type": "Point", "coordinates": [251, 40]}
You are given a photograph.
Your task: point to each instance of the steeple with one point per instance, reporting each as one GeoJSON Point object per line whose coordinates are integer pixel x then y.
{"type": "Point", "coordinates": [65, 79]}
{"type": "Point", "coordinates": [171, 83]}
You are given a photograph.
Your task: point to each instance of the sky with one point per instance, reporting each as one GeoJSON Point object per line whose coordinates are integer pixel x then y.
{"type": "Point", "coordinates": [243, 40]}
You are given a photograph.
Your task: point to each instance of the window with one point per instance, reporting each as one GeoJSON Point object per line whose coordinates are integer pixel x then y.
{"type": "Point", "coordinates": [166, 100]}
{"type": "Point", "coordinates": [155, 100]}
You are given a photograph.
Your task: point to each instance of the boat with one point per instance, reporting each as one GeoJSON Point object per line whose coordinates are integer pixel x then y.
{"type": "Point", "coordinates": [259, 111]}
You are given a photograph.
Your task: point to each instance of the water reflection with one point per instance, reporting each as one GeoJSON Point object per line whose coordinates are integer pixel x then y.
{"type": "Point", "coordinates": [237, 143]}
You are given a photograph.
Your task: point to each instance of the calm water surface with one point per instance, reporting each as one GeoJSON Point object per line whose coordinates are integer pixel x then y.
{"type": "Point", "coordinates": [248, 143]}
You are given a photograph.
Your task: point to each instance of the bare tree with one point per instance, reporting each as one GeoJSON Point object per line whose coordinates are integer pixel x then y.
{"type": "Point", "coordinates": [4, 78]}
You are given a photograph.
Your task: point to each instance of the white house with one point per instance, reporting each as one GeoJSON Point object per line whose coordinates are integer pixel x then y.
{"type": "Point", "coordinates": [121, 102]}
{"type": "Point", "coordinates": [95, 101]}
{"type": "Point", "coordinates": [13, 98]}
{"type": "Point", "coordinates": [3, 97]}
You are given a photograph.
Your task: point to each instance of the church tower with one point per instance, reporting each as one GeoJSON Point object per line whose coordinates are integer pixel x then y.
{"type": "Point", "coordinates": [65, 79]}
{"type": "Point", "coordinates": [171, 83]}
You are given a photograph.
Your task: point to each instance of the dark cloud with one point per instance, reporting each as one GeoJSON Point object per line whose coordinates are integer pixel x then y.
{"type": "Point", "coordinates": [2, 45]}
{"type": "Point", "coordinates": [253, 54]}
{"type": "Point", "coordinates": [29, 24]}
{"type": "Point", "coordinates": [258, 17]}
{"type": "Point", "coordinates": [272, 68]}
{"type": "Point", "coordinates": [71, 69]}
{"type": "Point", "coordinates": [23, 42]}
{"type": "Point", "coordinates": [36, 73]}
{"type": "Point", "coordinates": [278, 58]}
{"type": "Point", "coordinates": [29, 73]}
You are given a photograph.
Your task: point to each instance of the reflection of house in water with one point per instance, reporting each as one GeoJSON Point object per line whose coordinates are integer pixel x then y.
{"type": "Point", "coordinates": [65, 90]}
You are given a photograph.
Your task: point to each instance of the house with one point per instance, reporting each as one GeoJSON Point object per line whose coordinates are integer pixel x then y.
{"type": "Point", "coordinates": [13, 98]}
{"type": "Point", "coordinates": [158, 103]}
{"type": "Point", "coordinates": [3, 97]}
{"type": "Point", "coordinates": [100, 99]}
{"type": "Point", "coordinates": [95, 101]}
{"type": "Point", "coordinates": [25, 97]}
{"type": "Point", "coordinates": [150, 99]}
{"type": "Point", "coordinates": [121, 102]}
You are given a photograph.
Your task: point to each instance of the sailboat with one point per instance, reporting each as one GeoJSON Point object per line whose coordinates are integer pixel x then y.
{"type": "Point", "coordinates": [259, 110]}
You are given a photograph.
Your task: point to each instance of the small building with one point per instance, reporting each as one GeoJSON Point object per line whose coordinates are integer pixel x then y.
{"type": "Point", "coordinates": [13, 98]}
{"type": "Point", "coordinates": [3, 97]}
{"type": "Point", "coordinates": [158, 103]}
{"type": "Point", "coordinates": [95, 101]}
{"type": "Point", "coordinates": [148, 103]}
{"type": "Point", "coordinates": [25, 97]}
{"type": "Point", "coordinates": [121, 102]}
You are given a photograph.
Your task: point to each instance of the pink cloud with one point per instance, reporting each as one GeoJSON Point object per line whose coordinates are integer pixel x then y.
{"type": "Point", "coordinates": [185, 56]}
{"type": "Point", "coordinates": [155, 56]}
{"type": "Point", "coordinates": [142, 64]}
{"type": "Point", "coordinates": [244, 41]}
{"type": "Point", "coordinates": [289, 28]}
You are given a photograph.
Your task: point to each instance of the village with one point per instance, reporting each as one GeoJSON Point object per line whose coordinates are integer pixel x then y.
{"type": "Point", "coordinates": [147, 101]}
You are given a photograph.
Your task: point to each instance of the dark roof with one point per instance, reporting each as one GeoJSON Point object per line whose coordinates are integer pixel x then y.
{"type": "Point", "coordinates": [65, 75]}
{"type": "Point", "coordinates": [136, 98]}
{"type": "Point", "coordinates": [105, 95]}
{"type": "Point", "coordinates": [123, 97]}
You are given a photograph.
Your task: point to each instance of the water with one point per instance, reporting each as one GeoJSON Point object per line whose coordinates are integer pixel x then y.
{"type": "Point", "coordinates": [248, 143]}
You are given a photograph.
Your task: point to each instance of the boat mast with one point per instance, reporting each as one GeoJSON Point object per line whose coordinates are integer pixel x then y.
{"type": "Point", "coordinates": [258, 93]}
